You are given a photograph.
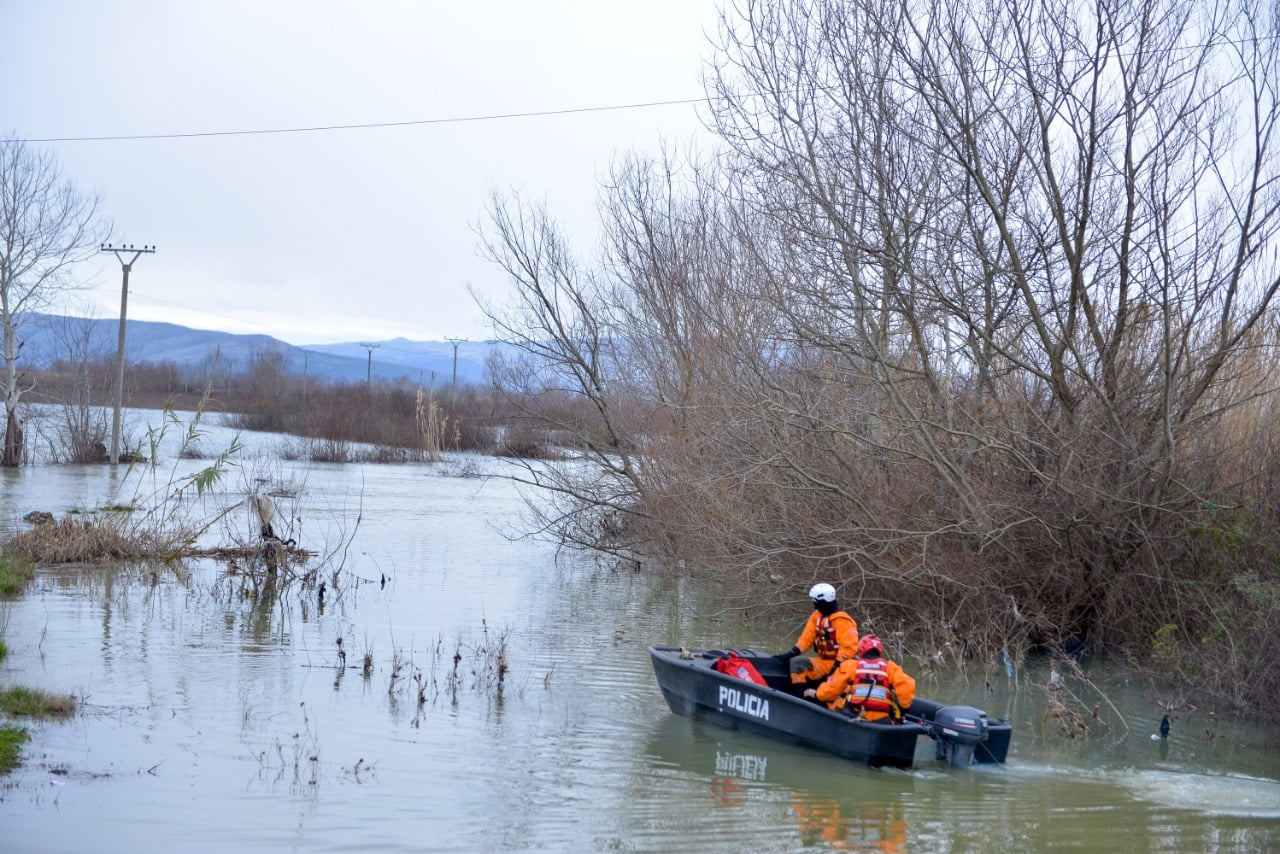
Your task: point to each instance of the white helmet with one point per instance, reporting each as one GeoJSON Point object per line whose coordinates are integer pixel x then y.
{"type": "Point", "coordinates": [822, 593]}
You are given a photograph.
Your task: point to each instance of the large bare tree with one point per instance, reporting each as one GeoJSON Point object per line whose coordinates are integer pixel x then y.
{"type": "Point", "coordinates": [1038, 239]}
{"type": "Point", "coordinates": [46, 227]}
{"type": "Point", "coordinates": [973, 314]}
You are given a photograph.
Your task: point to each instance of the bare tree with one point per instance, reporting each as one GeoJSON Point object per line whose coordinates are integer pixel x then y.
{"type": "Point", "coordinates": [648, 342]}
{"type": "Point", "coordinates": [564, 331]}
{"type": "Point", "coordinates": [1020, 231]}
{"type": "Point", "coordinates": [46, 227]}
{"type": "Point", "coordinates": [82, 425]}
{"type": "Point", "coordinates": [975, 314]}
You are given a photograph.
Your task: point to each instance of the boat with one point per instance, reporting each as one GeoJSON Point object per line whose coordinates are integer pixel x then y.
{"type": "Point", "coordinates": [694, 688]}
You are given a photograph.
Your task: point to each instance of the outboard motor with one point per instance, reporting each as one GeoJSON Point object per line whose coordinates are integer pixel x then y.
{"type": "Point", "coordinates": [957, 730]}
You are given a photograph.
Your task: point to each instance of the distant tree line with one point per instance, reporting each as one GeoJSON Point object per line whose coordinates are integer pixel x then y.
{"type": "Point", "coordinates": [404, 421]}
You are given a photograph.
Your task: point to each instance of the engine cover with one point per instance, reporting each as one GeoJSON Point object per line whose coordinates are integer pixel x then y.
{"type": "Point", "coordinates": [958, 730]}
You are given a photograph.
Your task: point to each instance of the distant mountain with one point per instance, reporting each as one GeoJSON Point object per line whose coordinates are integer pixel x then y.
{"type": "Point", "coordinates": [47, 338]}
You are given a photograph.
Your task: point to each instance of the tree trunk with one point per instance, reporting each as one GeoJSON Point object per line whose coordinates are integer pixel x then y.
{"type": "Point", "coordinates": [12, 441]}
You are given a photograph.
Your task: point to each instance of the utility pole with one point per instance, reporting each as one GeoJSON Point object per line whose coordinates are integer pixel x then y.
{"type": "Point", "coordinates": [120, 252]}
{"type": "Point", "coordinates": [368, 377]}
{"type": "Point", "coordinates": [454, 342]}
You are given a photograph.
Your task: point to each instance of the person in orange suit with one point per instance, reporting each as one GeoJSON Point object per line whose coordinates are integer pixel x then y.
{"type": "Point", "coordinates": [830, 632]}
{"type": "Point", "coordinates": [870, 686]}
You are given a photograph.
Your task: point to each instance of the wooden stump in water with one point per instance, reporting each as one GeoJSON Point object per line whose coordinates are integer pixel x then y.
{"type": "Point", "coordinates": [273, 555]}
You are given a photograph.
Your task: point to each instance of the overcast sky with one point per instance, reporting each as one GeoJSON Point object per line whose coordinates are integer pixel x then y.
{"type": "Point", "coordinates": [359, 234]}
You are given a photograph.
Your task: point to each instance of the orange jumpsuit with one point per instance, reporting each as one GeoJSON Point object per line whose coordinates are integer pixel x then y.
{"type": "Point", "coordinates": [833, 638]}
{"type": "Point", "coordinates": [840, 687]}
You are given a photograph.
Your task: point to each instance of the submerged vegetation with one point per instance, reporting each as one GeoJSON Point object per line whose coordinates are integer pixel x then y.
{"type": "Point", "coordinates": [161, 520]}
{"type": "Point", "coordinates": [991, 348]}
{"type": "Point", "coordinates": [482, 667]}
{"type": "Point", "coordinates": [105, 537]}
{"type": "Point", "coordinates": [31, 703]}
{"type": "Point", "coordinates": [19, 702]}
{"type": "Point", "coordinates": [11, 740]}
{"type": "Point", "coordinates": [14, 575]}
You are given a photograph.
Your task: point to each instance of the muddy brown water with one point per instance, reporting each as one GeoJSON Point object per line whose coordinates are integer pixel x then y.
{"type": "Point", "coordinates": [214, 721]}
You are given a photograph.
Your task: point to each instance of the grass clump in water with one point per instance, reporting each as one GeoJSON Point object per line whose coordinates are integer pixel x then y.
{"type": "Point", "coordinates": [11, 740]}
{"type": "Point", "coordinates": [14, 575]}
{"type": "Point", "coordinates": [18, 701]}
{"type": "Point", "coordinates": [93, 540]}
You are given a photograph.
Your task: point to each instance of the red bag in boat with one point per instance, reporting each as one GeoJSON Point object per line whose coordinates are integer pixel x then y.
{"type": "Point", "coordinates": [736, 665]}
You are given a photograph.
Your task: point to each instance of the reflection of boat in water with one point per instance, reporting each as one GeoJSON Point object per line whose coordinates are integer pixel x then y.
{"type": "Point", "coordinates": [694, 688]}
{"type": "Point", "coordinates": [830, 809]}
{"type": "Point", "coordinates": [716, 753]}
{"type": "Point", "coordinates": [871, 826]}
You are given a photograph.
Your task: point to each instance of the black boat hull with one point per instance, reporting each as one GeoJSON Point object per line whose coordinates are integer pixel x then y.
{"type": "Point", "coordinates": [694, 689]}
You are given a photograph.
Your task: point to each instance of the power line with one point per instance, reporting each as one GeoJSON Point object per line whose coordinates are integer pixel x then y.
{"type": "Point", "coordinates": [528, 114]}
{"type": "Point", "coordinates": [489, 117]}
{"type": "Point", "coordinates": [374, 125]}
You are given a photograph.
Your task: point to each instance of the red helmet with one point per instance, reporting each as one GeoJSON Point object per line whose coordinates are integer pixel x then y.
{"type": "Point", "coordinates": [868, 643]}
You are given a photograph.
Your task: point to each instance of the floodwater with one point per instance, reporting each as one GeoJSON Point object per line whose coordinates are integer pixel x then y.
{"type": "Point", "coordinates": [212, 720]}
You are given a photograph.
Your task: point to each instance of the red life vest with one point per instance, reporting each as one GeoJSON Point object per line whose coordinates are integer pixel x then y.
{"type": "Point", "coordinates": [871, 689]}
{"type": "Point", "coordinates": [734, 665]}
{"type": "Point", "coordinates": [824, 642]}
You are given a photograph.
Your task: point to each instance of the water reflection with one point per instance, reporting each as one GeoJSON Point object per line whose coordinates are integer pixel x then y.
{"type": "Point", "coordinates": [821, 818]}
{"type": "Point", "coordinates": [840, 806]}
{"type": "Point", "coordinates": [871, 827]}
